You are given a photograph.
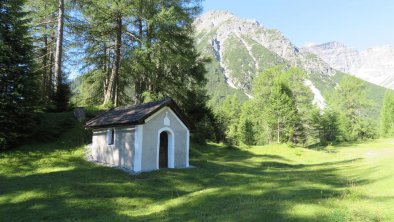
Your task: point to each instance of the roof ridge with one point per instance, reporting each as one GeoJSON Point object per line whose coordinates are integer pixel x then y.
{"type": "Point", "coordinates": [142, 104]}
{"type": "Point", "coordinates": [134, 114]}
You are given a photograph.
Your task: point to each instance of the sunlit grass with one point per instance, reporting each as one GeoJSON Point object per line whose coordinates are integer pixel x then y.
{"type": "Point", "coordinates": [53, 182]}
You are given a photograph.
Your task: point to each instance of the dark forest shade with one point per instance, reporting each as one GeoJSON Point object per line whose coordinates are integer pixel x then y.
{"type": "Point", "coordinates": [17, 80]}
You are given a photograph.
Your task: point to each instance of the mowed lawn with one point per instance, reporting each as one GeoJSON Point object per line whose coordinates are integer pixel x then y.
{"type": "Point", "coordinates": [53, 182]}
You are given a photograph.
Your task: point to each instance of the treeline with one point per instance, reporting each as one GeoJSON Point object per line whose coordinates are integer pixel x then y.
{"type": "Point", "coordinates": [282, 111]}
{"type": "Point", "coordinates": [128, 52]}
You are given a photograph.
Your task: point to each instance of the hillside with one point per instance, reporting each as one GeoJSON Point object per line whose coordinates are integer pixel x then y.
{"type": "Point", "coordinates": [240, 49]}
{"type": "Point", "coordinates": [53, 182]}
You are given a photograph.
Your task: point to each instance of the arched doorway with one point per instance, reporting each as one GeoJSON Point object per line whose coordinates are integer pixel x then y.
{"type": "Point", "coordinates": [163, 150]}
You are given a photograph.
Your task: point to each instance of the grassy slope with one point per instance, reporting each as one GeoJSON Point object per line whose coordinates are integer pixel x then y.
{"type": "Point", "coordinates": [53, 182]}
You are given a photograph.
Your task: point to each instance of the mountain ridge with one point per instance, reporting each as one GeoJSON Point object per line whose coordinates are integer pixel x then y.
{"type": "Point", "coordinates": [374, 65]}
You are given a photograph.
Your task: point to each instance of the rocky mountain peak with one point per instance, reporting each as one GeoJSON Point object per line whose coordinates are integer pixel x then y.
{"type": "Point", "coordinates": [212, 19]}
{"type": "Point", "coordinates": [243, 48]}
{"type": "Point", "coordinates": [375, 65]}
{"type": "Point", "coordinates": [336, 55]}
{"type": "Point", "coordinates": [384, 50]}
{"type": "Point", "coordinates": [223, 25]}
{"type": "Point", "coordinates": [332, 45]}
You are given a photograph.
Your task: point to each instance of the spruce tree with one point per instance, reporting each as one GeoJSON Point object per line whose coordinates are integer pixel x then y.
{"type": "Point", "coordinates": [17, 81]}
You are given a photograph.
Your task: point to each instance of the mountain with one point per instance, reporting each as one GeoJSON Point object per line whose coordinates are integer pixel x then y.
{"type": "Point", "coordinates": [375, 65]}
{"type": "Point", "coordinates": [240, 49]}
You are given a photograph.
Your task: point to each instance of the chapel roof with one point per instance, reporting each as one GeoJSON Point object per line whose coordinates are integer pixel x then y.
{"type": "Point", "coordinates": [135, 114]}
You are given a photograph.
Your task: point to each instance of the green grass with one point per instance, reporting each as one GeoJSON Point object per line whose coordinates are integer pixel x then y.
{"type": "Point", "coordinates": [53, 182]}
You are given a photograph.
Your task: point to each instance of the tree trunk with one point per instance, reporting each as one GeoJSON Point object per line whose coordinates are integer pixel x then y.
{"type": "Point", "coordinates": [50, 67]}
{"type": "Point", "coordinates": [151, 78]}
{"type": "Point", "coordinates": [45, 81]}
{"type": "Point", "coordinates": [59, 46]}
{"type": "Point", "coordinates": [139, 82]}
{"type": "Point", "coordinates": [116, 103]}
{"type": "Point", "coordinates": [106, 61]}
{"type": "Point", "coordinates": [113, 80]}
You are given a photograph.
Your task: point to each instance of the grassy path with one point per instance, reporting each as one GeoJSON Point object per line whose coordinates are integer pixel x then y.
{"type": "Point", "coordinates": [53, 182]}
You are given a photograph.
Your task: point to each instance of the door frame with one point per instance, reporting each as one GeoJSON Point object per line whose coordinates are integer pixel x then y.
{"type": "Point", "coordinates": [170, 148]}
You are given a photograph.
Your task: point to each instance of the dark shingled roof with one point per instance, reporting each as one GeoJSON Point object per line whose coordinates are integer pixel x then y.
{"type": "Point", "coordinates": [135, 115]}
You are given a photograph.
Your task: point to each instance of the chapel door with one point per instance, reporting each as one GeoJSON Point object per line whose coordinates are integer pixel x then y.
{"type": "Point", "coordinates": [163, 150]}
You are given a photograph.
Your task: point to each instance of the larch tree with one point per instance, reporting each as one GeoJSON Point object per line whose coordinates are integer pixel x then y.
{"type": "Point", "coordinates": [47, 26]}
{"type": "Point", "coordinates": [147, 47]}
{"type": "Point", "coordinates": [139, 51]}
{"type": "Point", "coordinates": [350, 101]}
{"type": "Point", "coordinates": [165, 57]}
{"type": "Point", "coordinates": [346, 116]}
{"type": "Point", "coordinates": [387, 115]}
{"type": "Point", "coordinates": [102, 30]}
{"type": "Point", "coordinates": [42, 28]}
{"type": "Point", "coordinates": [282, 100]}
{"type": "Point", "coordinates": [228, 114]}
{"type": "Point", "coordinates": [281, 112]}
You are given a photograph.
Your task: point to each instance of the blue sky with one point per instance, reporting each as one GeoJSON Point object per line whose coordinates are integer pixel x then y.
{"type": "Point", "coordinates": [359, 24]}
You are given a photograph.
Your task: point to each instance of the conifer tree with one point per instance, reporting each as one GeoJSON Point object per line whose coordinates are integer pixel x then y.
{"type": "Point", "coordinates": [17, 81]}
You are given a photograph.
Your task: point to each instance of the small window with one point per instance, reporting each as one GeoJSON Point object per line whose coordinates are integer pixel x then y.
{"type": "Point", "coordinates": [110, 136]}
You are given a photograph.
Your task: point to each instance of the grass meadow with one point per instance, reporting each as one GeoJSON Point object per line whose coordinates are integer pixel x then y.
{"type": "Point", "coordinates": [53, 182]}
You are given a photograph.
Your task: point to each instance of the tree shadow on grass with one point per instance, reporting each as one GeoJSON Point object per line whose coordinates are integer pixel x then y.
{"type": "Point", "coordinates": [321, 147]}
{"type": "Point", "coordinates": [222, 187]}
{"type": "Point", "coordinates": [228, 153]}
